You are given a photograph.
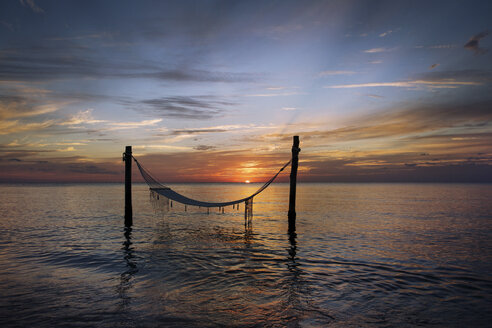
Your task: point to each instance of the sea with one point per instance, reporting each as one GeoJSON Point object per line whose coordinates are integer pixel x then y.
{"type": "Point", "coordinates": [362, 255]}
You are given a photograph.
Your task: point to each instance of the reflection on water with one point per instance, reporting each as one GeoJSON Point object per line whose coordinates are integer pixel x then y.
{"type": "Point", "coordinates": [364, 255]}
{"type": "Point", "coordinates": [131, 269]}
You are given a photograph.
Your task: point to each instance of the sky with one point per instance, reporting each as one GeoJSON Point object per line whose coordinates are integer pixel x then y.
{"type": "Point", "coordinates": [378, 91]}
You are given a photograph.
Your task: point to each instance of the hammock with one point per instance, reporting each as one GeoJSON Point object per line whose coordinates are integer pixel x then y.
{"type": "Point", "coordinates": [159, 191]}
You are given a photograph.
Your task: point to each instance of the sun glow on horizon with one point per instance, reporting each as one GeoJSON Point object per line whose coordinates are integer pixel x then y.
{"type": "Point", "coordinates": [247, 181]}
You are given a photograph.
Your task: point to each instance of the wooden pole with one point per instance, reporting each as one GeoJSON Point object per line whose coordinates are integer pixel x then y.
{"type": "Point", "coordinates": [127, 158]}
{"type": "Point", "coordinates": [293, 182]}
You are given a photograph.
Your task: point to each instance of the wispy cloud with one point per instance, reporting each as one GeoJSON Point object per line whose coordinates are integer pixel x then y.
{"type": "Point", "coordinates": [483, 76]}
{"type": "Point", "coordinates": [277, 88]}
{"type": "Point", "coordinates": [23, 144]}
{"type": "Point", "coordinates": [192, 75]}
{"type": "Point", "coordinates": [162, 147]}
{"type": "Point", "coordinates": [434, 142]}
{"type": "Point", "coordinates": [442, 46]}
{"type": "Point", "coordinates": [185, 107]}
{"type": "Point", "coordinates": [375, 96]}
{"type": "Point", "coordinates": [277, 94]}
{"type": "Point", "coordinates": [14, 126]}
{"type": "Point", "coordinates": [82, 117]}
{"type": "Point", "coordinates": [191, 132]}
{"type": "Point", "coordinates": [328, 73]}
{"type": "Point", "coordinates": [378, 50]}
{"type": "Point", "coordinates": [443, 84]}
{"type": "Point", "coordinates": [416, 120]}
{"type": "Point", "coordinates": [178, 135]}
{"type": "Point", "coordinates": [132, 125]}
{"type": "Point", "coordinates": [437, 46]}
{"type": "Point", "coordinates": [63, 59]}
{"type": "Point", "coordinates": [218, 129]}
{"type": "Point", "coordinates": [67, 149]}
{"type": "Point", "coordinates": [18, 105]}
{"type": "Point", "coordinates": [382, 35]}
{"type": "Point", "coordinates": [9, 112]}
{"type": "Point", "coordinates": [204, 147]}
{"type": "Point", "coordinates": [66, 168]}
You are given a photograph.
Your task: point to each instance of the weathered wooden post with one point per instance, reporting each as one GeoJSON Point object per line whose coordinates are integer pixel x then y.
{"type": "Point", "coordinates": [127, 158]}
{"type": "Point", "coordinates": [293, 182]}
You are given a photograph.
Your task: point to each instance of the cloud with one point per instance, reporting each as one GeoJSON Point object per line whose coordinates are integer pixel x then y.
{"type": "Point", "coordinates": [31, 4]}
{"type": "Point", "coordinates": [482, 76]}
{"type": "Point", "coordinates": [185, 107]}
{"type": "Point", "coordinates": [216, 166]}
{"type": "Point", "coordinates": [216, 129]}
{"type": "Point", "coordinates": [56, 130]}
{"type": "Point", "coordinates": [382, 35]}
{"type": "Point", "coordinates": [14, 126]}
{"type": "Point", "coordinates": [192, 75]}
{"type": "Point", "coordinates": [442, 46]}
{"type": "Point", "coordinates": [289, 108]}
{"type": "Point", "coordinates": [204, 147]}
{"type": "Point", "coordinates": [279, 94]}
{"type": "Point", "coordinates": [132, 125]}
{"type": "Point", "coordinates": [58, 169]}
{"type": "Point", "coordinates": [197, 131]}
{"type": "Point", "coordinates": [378, 50]}
{"type": "Point", "coordinates": [65, 59]}
{"type": "Point", "coordinates": [82, 117]}
{"type": "Point", "coordinates": [277, 88]}
{"type": "Point", "coordinates": [473, 43]}
{"type": "Point", "coordinates": [328, 73]}
{"type": "Point", "coordinates": [178, 135]}
{"type": "Point", "coordinates": [388, 146]}
{"type": "Point", "coordinates": [442, 84]}
{"type": "Point", "coordinates": [339, 166]}
{"type": "Point", "coordinates": [375, 96]}
{"type": "Point", "coordinates": [394, 169]}
{"type": "Point", "coordinates": [17, 105]}
{"type": "Point", "coordinates": [48, 62]}
{"type": "Point", "coordinates": [162, 147]}
{"type": "Point", "coordinates": [23, 144]}
{"type": "Point", "coordinates": [70, 148]}
{"type": "Point", "coordinates": [412, 122]}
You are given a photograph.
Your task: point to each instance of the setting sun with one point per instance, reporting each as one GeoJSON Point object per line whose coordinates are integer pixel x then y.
{"type": "Point", "coordinates": [247, 181]}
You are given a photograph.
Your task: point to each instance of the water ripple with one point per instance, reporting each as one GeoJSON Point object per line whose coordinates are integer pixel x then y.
{"type": "Point", "coordinates": [363, 256]}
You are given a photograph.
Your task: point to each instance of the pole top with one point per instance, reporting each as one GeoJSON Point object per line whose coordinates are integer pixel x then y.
{"type": "Point", "coordinates": [296, 141]}
{"type": "Point", "coordinates": [128, 149]}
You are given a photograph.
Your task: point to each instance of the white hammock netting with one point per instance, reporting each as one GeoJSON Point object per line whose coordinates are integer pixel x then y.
{"type": "Point", "coordinates": [163, 196]}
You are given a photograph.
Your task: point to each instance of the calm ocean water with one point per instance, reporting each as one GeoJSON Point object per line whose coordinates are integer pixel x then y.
{"type": "Point", "coordinates": [365, 255]}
